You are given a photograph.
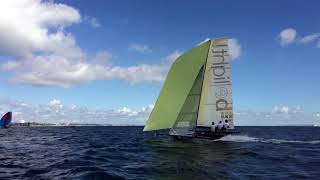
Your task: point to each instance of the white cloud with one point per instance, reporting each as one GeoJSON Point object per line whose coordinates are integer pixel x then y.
{"type": "Point", "coordinates": [287, 36]}
{"type": "Point", "coordinates": [55, 70]}
{"type": "Point", "coordinates": [43, 53]}
{"type": "Point", "coordinates": [93, 22]}
{"type": "Point", "coordinates": [141, 48]}
{"type": "Point", "coordinates": [55, 103]}
{"type": "Point", "coordinates": [235, 48]}
{"type": "Point", "coordinates": [73, 106]}
{"type": "Point", "coordinates": [287, 109]}
{"type": "Point", "coordinates": [25, 27]}
{"type": "Point", "coordinates": [149, 108]}
{"type": "Point", "coordinates": [284, 109]}
{"type": "Point", "coordinates": [10, 65]}
{"type": "Point", "coordinates": [310, 38]}
{"type": "Point", "coordinates": [101, 58]}
{"type": "Point", "coordinates": [124, 110]}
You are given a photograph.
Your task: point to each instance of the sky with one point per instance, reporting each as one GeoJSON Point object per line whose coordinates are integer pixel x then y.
{"type": "Point", "coordinates": [105, 62]}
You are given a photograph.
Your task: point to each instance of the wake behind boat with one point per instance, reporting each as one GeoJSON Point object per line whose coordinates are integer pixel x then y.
{"type": "Point", "coordinates": [196, 98]}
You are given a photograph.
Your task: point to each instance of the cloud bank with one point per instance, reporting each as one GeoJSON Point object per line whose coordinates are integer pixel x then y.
{"type": "Point", "coordinates": [278, 116]}
{"type": "Point", "coordinates": [56, 112]}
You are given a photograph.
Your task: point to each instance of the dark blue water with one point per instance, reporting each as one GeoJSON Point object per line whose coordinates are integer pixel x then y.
{"type": "Point", "coordinates": [128, 153]}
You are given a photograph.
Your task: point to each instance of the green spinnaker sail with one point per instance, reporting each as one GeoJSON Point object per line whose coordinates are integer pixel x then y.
{"type": "Point", "coordinates": [176, 88]}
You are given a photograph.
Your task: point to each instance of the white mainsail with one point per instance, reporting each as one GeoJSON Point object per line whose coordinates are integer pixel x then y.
{"type": "Point", "coordinates": [216, 95]}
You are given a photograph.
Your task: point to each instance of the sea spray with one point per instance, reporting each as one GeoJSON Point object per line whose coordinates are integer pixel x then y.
{"type": "Point", "coordinates": [245, 138]}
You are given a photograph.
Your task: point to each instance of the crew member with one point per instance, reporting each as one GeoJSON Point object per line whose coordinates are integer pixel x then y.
{"type": "Point", "coordinates": [225, 126]}
{"type": "Point", "coordinates": [219, 126]}
{"type": "Point", "coordinates": [212, 127]}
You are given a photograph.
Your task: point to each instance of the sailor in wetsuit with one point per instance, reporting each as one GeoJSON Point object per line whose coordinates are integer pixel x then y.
{"type": "Point", "coordinates": [225, 126]}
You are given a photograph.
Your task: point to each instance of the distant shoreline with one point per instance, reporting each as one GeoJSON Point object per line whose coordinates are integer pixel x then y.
{"type": "Point", "coordinates": [126, 125]}
{"type": "Point", "coordinates": [66, 125]}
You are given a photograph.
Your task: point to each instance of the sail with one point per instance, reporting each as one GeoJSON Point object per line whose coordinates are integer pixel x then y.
{"type": "Point", "coordinates": [187, 118]}
{"type": "Point", "coordinates": [180, 80]}
{"type": "Point", "coordinates": [216, 96]}
{"type": "Point", "coordinates": [6, 119]}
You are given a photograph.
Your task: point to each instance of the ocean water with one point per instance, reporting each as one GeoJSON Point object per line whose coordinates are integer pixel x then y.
{"type": "Point", "coordinates": [129, 153]}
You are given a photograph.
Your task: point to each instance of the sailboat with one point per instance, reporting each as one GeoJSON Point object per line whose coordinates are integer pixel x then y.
{"type": "Point", "coordinates": [6, 120]}
{"type": "Point", "coordinates": [196, 96]}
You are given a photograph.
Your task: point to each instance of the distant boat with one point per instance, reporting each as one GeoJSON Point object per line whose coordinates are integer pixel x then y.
{"type": "Point", "coordinates": [196, 94]}
{"type": "Point", "coordinates": [6, 120]}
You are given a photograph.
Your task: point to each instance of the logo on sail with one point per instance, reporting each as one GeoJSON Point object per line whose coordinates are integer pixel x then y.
{"type": "Point", "coordinates": [221, 92]}
{"type": "Point", "coordinates": [221, 78]}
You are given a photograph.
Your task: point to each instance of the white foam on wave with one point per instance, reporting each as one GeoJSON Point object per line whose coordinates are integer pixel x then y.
{"type": "Point", "coordinates": [281, 141]}
{"type": "Point", "coordinates": [238, 138]}
{"type": "Point", "coordinates": [245, 138]}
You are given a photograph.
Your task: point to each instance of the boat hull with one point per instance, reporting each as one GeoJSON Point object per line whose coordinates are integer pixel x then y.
{"type": "Point", "coordinates": [203, 135]}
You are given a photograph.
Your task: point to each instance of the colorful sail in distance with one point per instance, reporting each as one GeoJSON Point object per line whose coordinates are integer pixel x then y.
{"type": "Point", "coordinates": [197, 90]}
{"type": "Point", "coordinates": [6, 119]}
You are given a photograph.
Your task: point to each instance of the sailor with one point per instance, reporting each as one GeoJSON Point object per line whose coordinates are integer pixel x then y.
{"type": "Point", "coordinates": [219, 126]}
{"type": "Point", "coordinates": [212, 127]}
{"type": "Point", "coordinates": [225, 125]}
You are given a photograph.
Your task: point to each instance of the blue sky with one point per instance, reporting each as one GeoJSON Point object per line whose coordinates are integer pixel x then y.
{"type": "Point", "coordinates": [113, 55]}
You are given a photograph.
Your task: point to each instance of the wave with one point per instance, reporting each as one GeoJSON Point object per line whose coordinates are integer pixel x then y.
{"type": "Point", "coordinates": [238, 138]}
{"type": "Point", "coordinates": [245, 138]}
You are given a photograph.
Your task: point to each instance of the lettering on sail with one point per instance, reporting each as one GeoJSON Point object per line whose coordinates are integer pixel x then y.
{"type": "Point", "coordinates": [221, 81]}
